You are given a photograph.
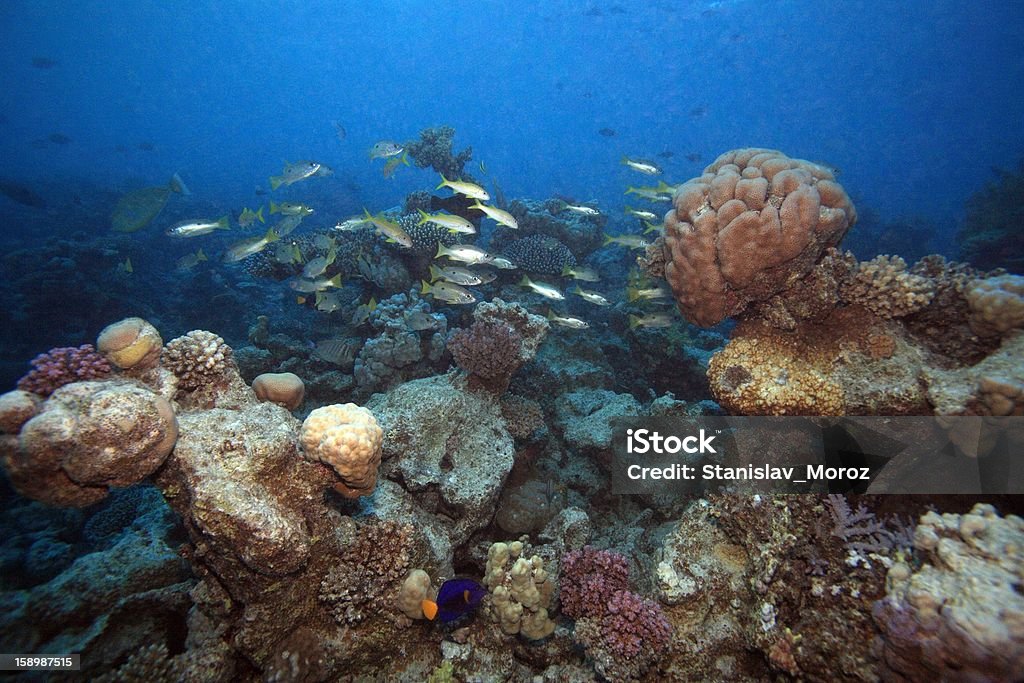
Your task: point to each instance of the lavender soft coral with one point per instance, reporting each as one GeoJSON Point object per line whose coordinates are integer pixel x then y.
{"type": "Point", "coordinates": [64, 365]}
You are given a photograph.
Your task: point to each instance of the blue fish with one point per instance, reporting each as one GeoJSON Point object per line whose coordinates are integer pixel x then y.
{"type": "Point", "coordinates": [455, 598]}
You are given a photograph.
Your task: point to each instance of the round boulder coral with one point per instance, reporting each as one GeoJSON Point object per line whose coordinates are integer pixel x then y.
{"type": "Point", "coordinates": [283, 388]}
{"type": "Point", "coordinates": [750, 227]}
{"type": "Point", "coordinates": [89, 436]}
{"type": "Point", "coordinates": [130, 343]}
{"type": "Point", "coordinates": [348, 438]}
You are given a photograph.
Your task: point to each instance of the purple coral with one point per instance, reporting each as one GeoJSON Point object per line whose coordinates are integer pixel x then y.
{"type": "Point", "coordinates": [64, 365]}
{"type": "Point", "coordinates": [634, 627]}
{"type": "Point", "coordinates": [622, 632]}
{"type": "Point", "coordinates": [489, 352]}
{"type": "Point", "coordinates": [588, 577]}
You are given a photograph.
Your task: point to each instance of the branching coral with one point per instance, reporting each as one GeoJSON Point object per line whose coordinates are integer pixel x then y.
{"type": "Point", "coordinates": [57, 367]}
{"type": "Point", "coordinates": [751, 226]}
{"type": "Point", "coordinates": [197, 358]}
{"type": "Point", "coordinates": [624, 633]}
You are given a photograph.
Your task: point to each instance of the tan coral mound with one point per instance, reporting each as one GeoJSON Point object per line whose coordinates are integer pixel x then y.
{"type": "Point", "coordinates": [286, 389]}
{"type": "Point", "coordinates": [884, 287]}
{"type": "Point", "coordinates": [348, 438]}
{"type": "Point", "coordinates": [997, 304]}
{"type": "Point", "coordinates": [751, 226]}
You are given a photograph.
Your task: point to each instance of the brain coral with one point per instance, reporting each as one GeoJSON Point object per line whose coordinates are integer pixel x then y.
{"type": "Point", "coordinates": [751, 226]}
{"type": "Point", "coordinates": [347, 438]}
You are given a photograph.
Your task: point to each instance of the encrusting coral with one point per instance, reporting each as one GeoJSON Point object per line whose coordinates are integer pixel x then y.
{"type": "Point", "coordinates": [960, 614]}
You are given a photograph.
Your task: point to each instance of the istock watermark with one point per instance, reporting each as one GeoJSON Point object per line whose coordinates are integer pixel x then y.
{"type": "Point", "coordinates": [905, 455]}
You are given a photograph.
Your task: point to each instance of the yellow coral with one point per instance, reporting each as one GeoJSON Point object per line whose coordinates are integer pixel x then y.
{"type": "Point", "coordinates": [130, 343]}
{"type": "Point", "coordinates": [520, 593]}
{"type": "Point", "coordinates": [765, 375]}
{"type": "Point", "coordinates": [348, 438]}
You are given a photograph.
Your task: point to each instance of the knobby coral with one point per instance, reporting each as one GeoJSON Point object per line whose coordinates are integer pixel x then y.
{"type": "Point", "coordinates": [751, 226]}
{"type": "Point", "coordinates": [489, 352]}
{"type": "Point", "coordinates": [64, 365]}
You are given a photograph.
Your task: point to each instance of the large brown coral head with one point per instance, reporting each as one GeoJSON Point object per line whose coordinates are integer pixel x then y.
{"type": "Point", "coordinates": [750, 227]}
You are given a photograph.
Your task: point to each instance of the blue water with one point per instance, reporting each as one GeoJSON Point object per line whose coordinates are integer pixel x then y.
{"type": "Point", "coordinates": [914, 102]}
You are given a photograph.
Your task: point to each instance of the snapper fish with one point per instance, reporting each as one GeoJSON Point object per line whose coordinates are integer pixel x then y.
{"type": "Point", "coordinates": [471, 190]}
{"type": "Point", "coordinates": [630, 241]}
{"type": "Point", "coordinates": [286, 225]}
{"type": "Point", "coordinates": [645, 167]}
{"type": "Point", "coordinates": [389, 229]}
{"type": "Point", "coordinates": [248, 217]}
{"type": "Point", "coordinates": [350, 224]}
{"type": "Point", "coordinates": [502, 263]}
{"type": "Point", "coordinates": [454, 223]}
{"type": "Point", "coordinates": [585, 274]}
{"type": "Point", "coordinates": [582, 210]}
{"type": "Point", "coordinates": [568, 321]}
{"type": "Point", "coordinates": [634, 293]}
{"type": "Point", "coordinates": [327, 303]}
{"type": "Point", "coordinates": [592, 297]}
{"type": "Point", "coordinates": [315, 267]}
{"type": "Point", "coordinates": [460, 276]}
{"type": "Point", "coordinates": [498, 215]}
{"type": "Point", "coordinates": [418, 321]}
{"type": "Point", "coordinates": [300, 170]}
{"type": "Point", "coordinates": [385, 149]}
{"type": "Point", "coordinates": [449, 292]}
{"type": "Point", "coordinates": [466, 253]}
{"type": "Point", "coordinates": [642, 214]}
{"type": "Point", "coordinates": [190, 261]}
{"type": "Point", "coordinates": [545, 290]}
{"type": "Point", "coordinates": [392, 164]}
{"type": "Point", "coordinates": [290, 209]}
{"type": "Point", "coordinates": [249, 246]}
{"type": "Point", "coordinates": [363, 311]}
{"type": "Point", "coordinates": [650, 320]}
{"type": "Point", "coordinates": [197, 226]}
{"type": "Point", "coordinates": [455, 598]}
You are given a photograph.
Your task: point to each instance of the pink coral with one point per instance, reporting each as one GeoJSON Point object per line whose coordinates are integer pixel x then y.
{"type": "Point", "coordinates": [64, 365]}
{"type": "Point", "coordinates": [634, 627]}
{"type": "Point", "coordinates": [588, 577]}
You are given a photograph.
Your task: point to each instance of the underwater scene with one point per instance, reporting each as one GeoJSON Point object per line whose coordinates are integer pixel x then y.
{"type": "Point", "coordinates": [585, 340]}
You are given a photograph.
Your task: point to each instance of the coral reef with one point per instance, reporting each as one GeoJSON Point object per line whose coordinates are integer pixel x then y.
{"type": "Point", "coordinates": [540, 254]}
{"type": "Point", "coordinates": [754, 223]}
{"type": "Point", "coordinates": [426, 236]}
{"type": "Point", "coordinates": [884, 287]}
{"type": "Point", "coordinates": [489, 352]}
{"type": "Point", "coordinates": [960, 614]}
{"type": "Point", "coordinates": [579, 233]}
{"type": "Point", "coordinates": [197, 359]}
{"type": "Point", "coordinates": [622, 632]}
{"type": "Point", "coordinates": [398, 352]}
{"type": "Point", "coordinates": [520, 591]}
{"type": "Point", "coordinates": [57, 367]}
{"type": "Point", "coordinates": [997, 305]}
{"type": "Point", "coordinates": [446, 456]}
{"type": "Point", "coordinates": [347, 438]}
{"type": "Point", "coordinates": [990, 236]}
{"type": "Point", "coordinates": [434, 149]}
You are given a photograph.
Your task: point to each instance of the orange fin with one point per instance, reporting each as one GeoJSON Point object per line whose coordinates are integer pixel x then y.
{"type": "Point", "coordinates": [429, 608]}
